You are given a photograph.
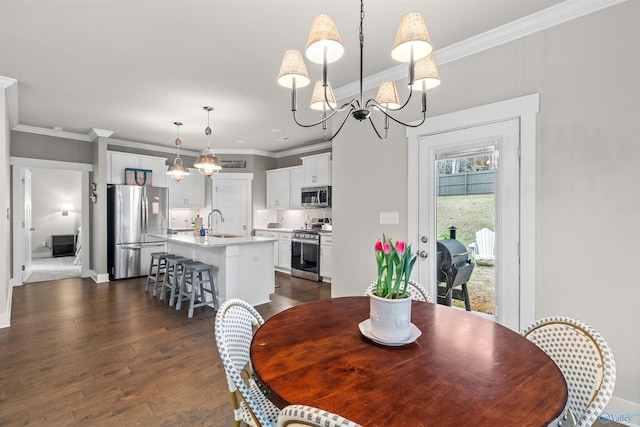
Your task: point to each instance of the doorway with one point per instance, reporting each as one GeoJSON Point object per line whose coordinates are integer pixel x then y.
{"type": "Point", "coordinates": [231, 194]}
{"type": "Point", "coordinates": [78, 214]}
{"type": "Point", "coordinates": [497, 143]}
{"type": "Point", "coordinates": [509, 127]}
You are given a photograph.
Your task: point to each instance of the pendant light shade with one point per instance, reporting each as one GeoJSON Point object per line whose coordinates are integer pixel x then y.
{"type": "Point", "coordinates": [318, 100]}
{"type": "Point", "coordinates": [208, 163]}
{"type": "Point", "coordinates": [293, 71]}
{"type": "Point", "coordinates": [177, 170]}
{"type": "Point", "coordinates": [413, 36]}
{"type": "Point", "coordinates": [387, 96]}
{"type": "Point", "coordinates": [426, 74]}
{"type": "Point", "coordinates": [324, 39]}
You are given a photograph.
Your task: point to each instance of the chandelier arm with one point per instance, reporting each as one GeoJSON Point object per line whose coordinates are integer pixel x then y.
{"type": "Point", "coordinates": [424, 117]}
{"type": "Point", "coordinates": [319, 122]}
{"type": "Point", "coordinates": [339, 129]}
{"type": "Point", "coordinates": [386, 129]}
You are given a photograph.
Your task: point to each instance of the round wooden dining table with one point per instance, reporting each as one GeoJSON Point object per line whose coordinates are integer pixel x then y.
{"type": "Point", "coordinates": [462, 369]}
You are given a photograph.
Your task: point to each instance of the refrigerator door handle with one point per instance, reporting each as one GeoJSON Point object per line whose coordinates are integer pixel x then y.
{"type": "Point", "coordinates": [145, 212]}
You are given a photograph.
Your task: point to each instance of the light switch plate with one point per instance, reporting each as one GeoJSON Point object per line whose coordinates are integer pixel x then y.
{"type": "Point", "coordinates": [389, 218]}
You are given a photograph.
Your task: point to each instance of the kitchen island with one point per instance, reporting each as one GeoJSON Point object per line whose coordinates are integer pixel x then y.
{"type": "Point", "coordinates": [245, 264]}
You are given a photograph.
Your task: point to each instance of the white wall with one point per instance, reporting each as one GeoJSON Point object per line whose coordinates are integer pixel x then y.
{"type": "Point", "coordinates": [51, 188]}
{"type": "Point", "coordinates": [587, 211]}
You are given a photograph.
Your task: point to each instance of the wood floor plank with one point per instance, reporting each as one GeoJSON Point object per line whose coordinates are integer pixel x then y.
{"type": "Point", "coordinates": [111, 354]}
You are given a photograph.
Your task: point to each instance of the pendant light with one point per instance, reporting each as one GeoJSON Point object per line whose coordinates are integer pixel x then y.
{"type": "Point", "coordinates": [208, 163]}
{"type": "Point", "coordinates": [177, 171]}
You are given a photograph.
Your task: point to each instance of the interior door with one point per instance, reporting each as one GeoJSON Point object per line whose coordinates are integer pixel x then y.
{"type": "Point", "coordinates": [28, 227]}
{"type": "Point", "coordinates": [232, 197]}
{"type": "Point", "coordinates": [504, 137]}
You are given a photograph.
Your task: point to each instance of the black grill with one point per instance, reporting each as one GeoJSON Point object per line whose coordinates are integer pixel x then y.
{"type": "Point", "coordinates": [454, 269]}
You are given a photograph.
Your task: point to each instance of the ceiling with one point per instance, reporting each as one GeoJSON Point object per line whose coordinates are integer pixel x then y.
{"type": "Point", "coordinates": [135, 67]}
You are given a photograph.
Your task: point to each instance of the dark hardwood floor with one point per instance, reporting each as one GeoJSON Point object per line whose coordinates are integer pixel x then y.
{"type": "Point", "coordinates": [112, 355]}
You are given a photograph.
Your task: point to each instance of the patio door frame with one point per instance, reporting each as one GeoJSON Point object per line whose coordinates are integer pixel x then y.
{"type": "Point", "coordinates": [525, 110]}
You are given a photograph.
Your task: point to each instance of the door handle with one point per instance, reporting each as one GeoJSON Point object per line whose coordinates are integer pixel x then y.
{"type": "Point", "coordinates": [424, 239]}
{"type": "Point", "coordinates": [424, 254]}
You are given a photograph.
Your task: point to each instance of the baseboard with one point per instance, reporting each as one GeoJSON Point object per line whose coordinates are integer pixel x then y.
{"type": "Point", "coordinates": [5, 318]}
{"type": "Point", "coordinates": [622, 412]}
{"type": "Point", "coordinates": [99, 278]}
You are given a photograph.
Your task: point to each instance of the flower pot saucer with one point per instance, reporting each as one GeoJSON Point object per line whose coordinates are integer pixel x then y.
{"type": "Point", "coordinates": [365, 329]}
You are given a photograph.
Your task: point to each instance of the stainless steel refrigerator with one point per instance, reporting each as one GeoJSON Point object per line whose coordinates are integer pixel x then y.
{"type": "Point", "coordinates": [136, 226]}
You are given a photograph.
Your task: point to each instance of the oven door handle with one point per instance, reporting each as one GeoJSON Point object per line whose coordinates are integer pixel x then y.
{"type": "Point", "coordinates": [313, 242]}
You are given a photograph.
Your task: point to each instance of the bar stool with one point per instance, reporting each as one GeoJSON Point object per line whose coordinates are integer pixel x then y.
{"type": "Point", "coordinates": [159, 261]}
{"type": "Point", "coordinates": [192, 282]}
{"type": "Point", "coordinates": [172, 276]}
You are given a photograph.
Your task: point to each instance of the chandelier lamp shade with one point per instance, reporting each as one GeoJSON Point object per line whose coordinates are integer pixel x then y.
{"type": "Point", "coordinates": [208, 163]}
{"type": "Point", "coordinates": [177, 170]}
{"type": "Point", "coordinates": [412, 45]}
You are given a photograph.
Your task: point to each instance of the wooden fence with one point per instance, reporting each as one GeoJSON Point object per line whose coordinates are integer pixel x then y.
{"type": "Point", "coordinates": [467, 183]}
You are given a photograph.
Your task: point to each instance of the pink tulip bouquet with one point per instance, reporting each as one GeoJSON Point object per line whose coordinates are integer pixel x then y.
{"type": "Point", "coordinates": [395, 262]}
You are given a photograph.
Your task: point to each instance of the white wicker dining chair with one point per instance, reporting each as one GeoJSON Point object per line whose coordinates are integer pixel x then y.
{"type": "Point", "coordinates": [416, 290]}
{"type": "Point", "coordinates": [584, 358]}
{"type": "Point", "coordinates": [235, 324]}
{"type": "Point", "coordinates": [304, 416]}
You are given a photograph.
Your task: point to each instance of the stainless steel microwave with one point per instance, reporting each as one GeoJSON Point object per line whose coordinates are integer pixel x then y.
{"type": "Point", "coordinates": [316, 197]}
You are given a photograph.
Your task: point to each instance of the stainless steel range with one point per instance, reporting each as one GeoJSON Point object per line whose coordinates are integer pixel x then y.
{"type": "Point", "coordinates": [305, 254]}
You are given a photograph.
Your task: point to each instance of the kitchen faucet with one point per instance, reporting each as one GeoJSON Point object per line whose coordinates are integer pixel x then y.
{"type": "Point", "coordinates": [210, 230]}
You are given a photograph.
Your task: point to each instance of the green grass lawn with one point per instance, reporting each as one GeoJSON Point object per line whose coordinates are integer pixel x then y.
{"type": "Point", "coordinates": [469, 214]}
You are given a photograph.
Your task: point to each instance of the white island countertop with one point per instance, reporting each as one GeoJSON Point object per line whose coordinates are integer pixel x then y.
{"type": "Point", "coordinates": [209, 242]}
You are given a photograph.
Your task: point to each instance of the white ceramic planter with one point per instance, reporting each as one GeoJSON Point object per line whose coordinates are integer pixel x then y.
{"type": "Point", "coordinates": [390, 318]}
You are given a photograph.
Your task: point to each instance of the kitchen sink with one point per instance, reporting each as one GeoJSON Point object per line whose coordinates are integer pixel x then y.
{"type": "Point", "coordinates": [225, 236]}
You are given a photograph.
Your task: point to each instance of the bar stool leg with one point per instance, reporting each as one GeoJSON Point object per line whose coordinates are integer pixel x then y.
{"type": "Point", "coordinates": [151, 264]}
{"type": "Point", "coordinates": [196, 286]}
{"type": "Point", "coordinates": [178, 272]}
{"type": "Point", "coordinates": [169, 272]}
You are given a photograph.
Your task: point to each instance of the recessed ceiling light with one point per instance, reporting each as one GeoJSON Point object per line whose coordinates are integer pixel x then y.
{"type": "Point", "coordinates": [57, 128]}
{"type": "Point", "coordinates": [283, 139]}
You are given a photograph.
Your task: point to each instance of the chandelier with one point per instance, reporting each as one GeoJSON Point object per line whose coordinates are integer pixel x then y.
{"type": "Point", "coordinates": [324, 46]}
{"type": "Point", "coordinates": [177, 170]}
{"type": "Point", "coordinates": [208, 163]}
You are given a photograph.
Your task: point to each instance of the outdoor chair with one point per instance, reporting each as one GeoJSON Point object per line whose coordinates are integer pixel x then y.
{"type": "Point", "coordinates": [586, 361]}
{"type": "Point", "coordinates": [416, 290]}
{"type": "Point", "coordinates": [484, 246]}
{"type": "Point", "coordinates": [301, 415]}
{"type": "Point", "coordinates": [235, 324]}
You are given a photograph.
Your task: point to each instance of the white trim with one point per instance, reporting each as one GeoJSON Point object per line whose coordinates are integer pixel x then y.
{"type": "Point", "coordinates": [525, 109]}
{"type": "Point", "coordinates": [231, 175]}
{"type": "Point", "coordinates": [539, 21]}
{"type": "Point", "coordinates": [99, 278]}
{"type": "Point", "coordinates": [17, 204]}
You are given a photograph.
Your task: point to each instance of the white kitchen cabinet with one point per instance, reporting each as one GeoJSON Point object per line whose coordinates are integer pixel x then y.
{"type": "Point", "coordinates": [297, 182]}
{"type": "Point", "coordinates": [273, 235]}
{"type": "Point", "coordinates": [317, 169]}
{"type": "Point", "coordinates": [117, 162]}
{"type": "Point", "coordinates": [325, 257]}
{"type": "Point", "coordinates": [285, 250]}
{"type": "Point", "coordinates": [188, 193]}
{"type": "Point", "coordinates": [279, 188]}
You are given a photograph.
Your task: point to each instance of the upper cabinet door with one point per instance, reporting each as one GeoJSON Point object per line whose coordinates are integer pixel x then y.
{"type": "Point", "coordinates": [278, 189]}
{"type": "Point", "coordinates": [297, 182]}
{"type": "Point", "coordinates": [317, 169]}
{"type": "Point", "coordinates": [188, 193]}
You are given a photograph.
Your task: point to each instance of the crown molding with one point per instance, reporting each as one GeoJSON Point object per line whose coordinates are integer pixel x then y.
{"type": "Point", "coordinates": [539, 21]}
{"type": "Point", "coordinates": [303, 150]}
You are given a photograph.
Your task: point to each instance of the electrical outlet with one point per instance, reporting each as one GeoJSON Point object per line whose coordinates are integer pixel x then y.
{"type": "Point", "coordinates": [389, 218]}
